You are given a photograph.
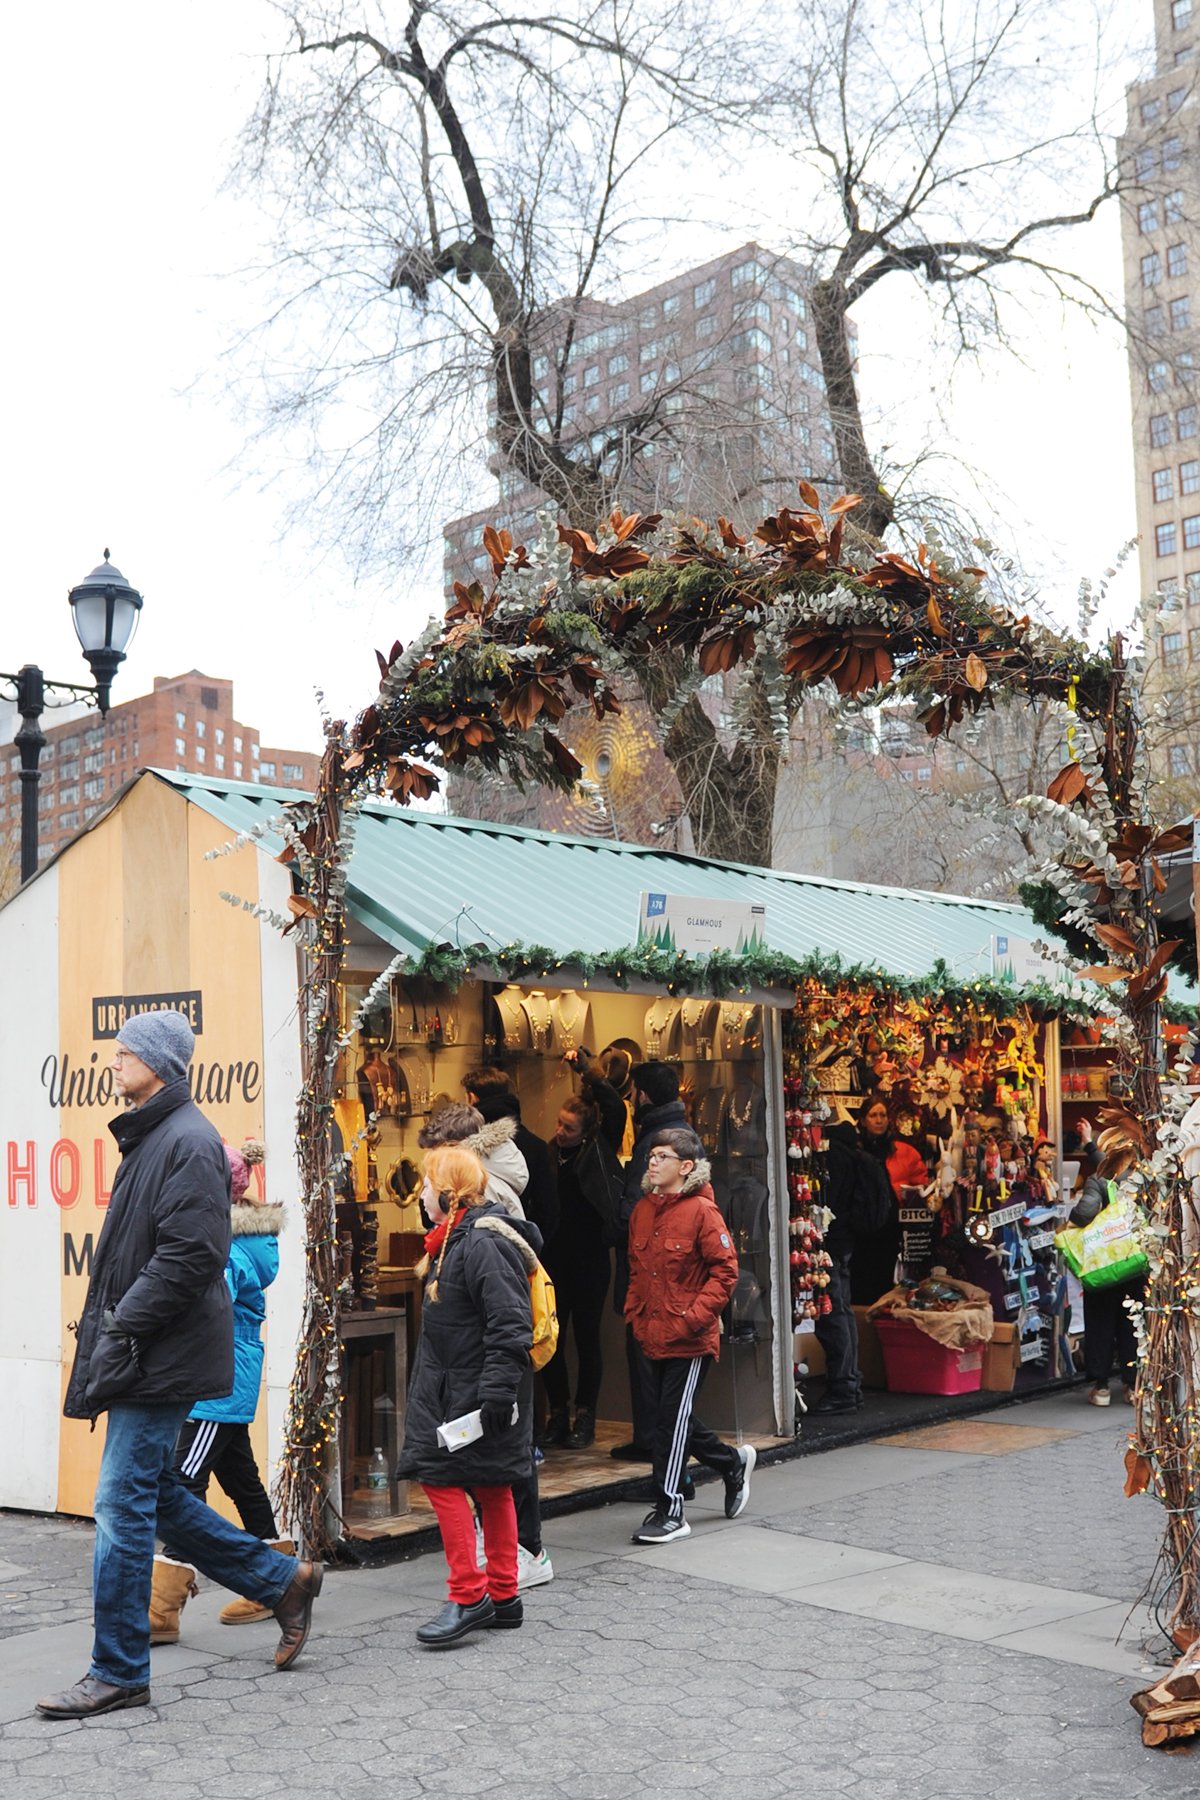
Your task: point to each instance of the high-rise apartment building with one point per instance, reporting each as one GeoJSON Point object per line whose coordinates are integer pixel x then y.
{"type": "Point", "coordinates": [187, 723]}
{"type": "Point", "coordinates": [1161, 239]}
{"type": "Point", "coordinates": [722, 358]}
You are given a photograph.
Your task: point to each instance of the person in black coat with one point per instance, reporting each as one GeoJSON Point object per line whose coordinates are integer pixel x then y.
{"type": "Point", "coordinates": [472, 1358]}
{"type": "Point", "coordinates": [849, 1174]}
{"type": "Point", "coordinates": [156, 1335]}
{"type": "Point", "coordinates": [578, 1258]}
{"type": "Point", "coordinates": [492, 1094]}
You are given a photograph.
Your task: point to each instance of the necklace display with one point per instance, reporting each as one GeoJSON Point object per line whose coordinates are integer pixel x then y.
{"type": "Point", "coordinates": [738, 1034]}
{"type": "Point", "coordinates": [699, 1020]}
{"type": "Point", "coordinates": [662, 1031]}
{"type": "Point", "coordinates": [536, 1007]}
{"type": "Point", "coordinates": [739, 1116]}
{"type": "Point", "coordinates": [509, 1004]}
{"type": "Point", "coordinates": [571, 1016]}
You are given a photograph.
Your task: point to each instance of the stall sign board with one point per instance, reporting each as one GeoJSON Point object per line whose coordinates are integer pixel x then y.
{"type": "Point", "coordinates": [1018, 960]}
{"type": "Point", "coordinates": [696, 926]}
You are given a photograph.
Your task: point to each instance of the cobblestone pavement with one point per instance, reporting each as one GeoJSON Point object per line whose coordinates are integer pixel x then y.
{"type": "Point", "coordinates": [639, 1675]}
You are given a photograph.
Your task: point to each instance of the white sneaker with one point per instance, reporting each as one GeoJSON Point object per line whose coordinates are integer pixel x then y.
{"type": "Point", "coordinates": [1099, 1396]}
{"type": "Point", "coordinates": [737, 1485]}
{"type": "Point", "coordinates": [533, 1571]}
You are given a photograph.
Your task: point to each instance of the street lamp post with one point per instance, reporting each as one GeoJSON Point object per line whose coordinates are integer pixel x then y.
{"type": "Point", "coordinates": [104, 612]}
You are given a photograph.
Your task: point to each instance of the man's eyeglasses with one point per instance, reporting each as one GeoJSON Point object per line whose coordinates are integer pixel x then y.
{"type": "Point", "coordinates": [123, 1056]}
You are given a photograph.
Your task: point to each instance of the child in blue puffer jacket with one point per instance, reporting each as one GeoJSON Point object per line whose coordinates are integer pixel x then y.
{"type": "Point", "coordinates": [215, 1439]}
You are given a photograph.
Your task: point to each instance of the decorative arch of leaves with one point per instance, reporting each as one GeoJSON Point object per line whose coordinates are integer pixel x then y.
{"type": "Point", "coordinates": [487, 686]}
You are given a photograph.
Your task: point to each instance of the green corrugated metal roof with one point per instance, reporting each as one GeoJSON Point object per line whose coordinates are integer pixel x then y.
{"type": "Point", "coordinates": [420, 878]}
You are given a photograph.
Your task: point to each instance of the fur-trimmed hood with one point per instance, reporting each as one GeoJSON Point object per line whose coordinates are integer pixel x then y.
{"type": "Point", "coordinates": [249, 1220]}
{"type": "Point", "coordinates": [507, 1170]}
{"type": "Point", "coordinates": [503, 1229]}
{"type": "Point", "coordinates": [701, 1176]}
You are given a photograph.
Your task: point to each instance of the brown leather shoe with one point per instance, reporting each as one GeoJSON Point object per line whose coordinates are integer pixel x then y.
{"type": "Point", "coordinates": [294, 1612]}
{"type": "Point", "coordinates": [89, 1697]}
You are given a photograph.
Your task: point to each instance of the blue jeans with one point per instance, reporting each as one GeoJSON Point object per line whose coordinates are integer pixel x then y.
{"type": "Point", "coordinates": [138, 1497]}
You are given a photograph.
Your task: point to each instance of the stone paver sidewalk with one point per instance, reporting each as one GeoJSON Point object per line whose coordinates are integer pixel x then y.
{"type": "Point", "coordinates": [887, 1620]}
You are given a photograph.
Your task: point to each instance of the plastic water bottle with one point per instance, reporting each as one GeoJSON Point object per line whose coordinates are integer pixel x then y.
{"type": "Point", "coordinates": [377, 1485]}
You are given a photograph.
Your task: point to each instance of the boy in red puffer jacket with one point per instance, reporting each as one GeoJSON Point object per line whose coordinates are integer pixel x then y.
{"type": "Point", "coordinates": [682, 1270]}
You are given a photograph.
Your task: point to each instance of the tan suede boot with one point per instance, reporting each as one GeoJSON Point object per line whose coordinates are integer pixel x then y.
{"type": "Point", "coordinates": [248, 1612]}
{"type": "Point", "coordinates": [173, 1582]}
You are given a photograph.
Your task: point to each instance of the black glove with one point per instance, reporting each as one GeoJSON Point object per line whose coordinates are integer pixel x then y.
{"type": "Point", "coordinates": [108, 1322]}
{"type": "Point", "coordinates": [496, 1417]}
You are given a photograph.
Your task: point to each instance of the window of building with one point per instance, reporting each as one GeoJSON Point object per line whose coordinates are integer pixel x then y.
{"type": "Point", "coordinates": [1165, 539]}
{"type": "Point", "coordinates": [218, 759]}
{"type": "Point", "coordinates": [1194, 645]}
{"type": "Point", "coordinates": [267, 771]}
{"type": "Point", "coordinates": [568, 415]}
{"type": "Point", "coordinates": [67, 796]}
{"type": "Point", "coordinates": [618, 364]}
{"type": "Point", "coordinates": [1152, 272]}
{"type": "Point", "coordinates": [1172, 648]}
{"type": "Point", "coordinates": [1149, 111]}
{"type": "Point", "coordinates": [1185, 362]}
{"type": "Point", "coordinates": [705, 327]}
{"type": "Point", "coordinates": [925, 773]}
{"type": "Point", "coordinates": [201, 728]}
{"type": "Point", "coordinates": [219, 735]}
{"type": "Point", "coordinates": [1163, 484]}
{"type": "Point", "coordinates": [1172, 154]}
{"type": "Point", "coordinates": [68, 821]}
{"type": "Point", "coordinates": [754, 339]}
{"type": "Point", "coordinates": [648, 381]}
{"type": "Point", "coordinates": [1179, 760]}
{"type": "Point", "coordinates": [1181, 313]}
{"type": "Point", "coordinates": [1173, 207]}
{"type": "Point", "coordinates": [180, 747]}
{"type": "Point", "coordinates": [1147, 217]}
{"type": "Point", "coordinates": [237, 770]}
{"type": "Point", "coordinates": [181, 721]}
{"type": "Point", "coordinates": [201, 753]}
{"type": "Point", "coordinates": [541, 367]}
{"type": "Point", "coordinates": [1154, 321]}
{"type": "Point", "coordinates": [1181, 14]}
{"type": "Point", "coordinates": [1191, 532]}
{"type": "Point", "coordinates": [703, 292]}
{"type": "Point", "coordinates": [1168, 587]}
{"type": "Point", "coordinates": [94, 789]}
{"type": "Point", "coordinates": [744, 272]}
{"type": "Point", "coordinates": [670, 371]}
{"type": "Point", "coordinates": [591, 375]}
{"type": "Point", "coordinates": [648, 353]}
{"type": "Point", "coordinates": [1175, 99]}
{"type": "Point", "coordinates": [293, 772]}
{"type": "Point", "coordinates": [758, 309]}
{"type": "Point", "coordinates": [671, 305]}
{"type": "Point", "coordinates": [1184, 54]}
{"type": "Point", "coordinates": [619, 394]}
{"type": "Point", "coordinates": [1187, 422]}
{"type": "Point", "coordinates": [93, 761]}
{"type": "Point", "coordinates": [592, 404]}
{"type": "Point", "coordinates": [1158, 377]}
{"type": "Point", "coordinates": [1192, 583]}
{"type": "Point", "coordinates": [253, 750]}
{"type": "Point", "coordinates": [1145, 162]}
{"type": "Point", "coordinates": [1189, 477]}
{"type": "Point", "coordinates": [1177, 261]}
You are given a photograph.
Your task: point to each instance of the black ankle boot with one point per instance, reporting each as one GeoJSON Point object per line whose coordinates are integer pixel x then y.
{"type": "Point", "coordinates": [555, 1431]}
{"type": "Point", "coordinates": [583, 1432]}
{"type": "Point", "coordinates": [455, 1621]}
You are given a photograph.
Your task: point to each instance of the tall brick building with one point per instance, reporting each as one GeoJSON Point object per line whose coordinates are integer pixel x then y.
{"type": "Point", "coordinates": [723, 354]}
{"type": "Point", "coordinates": [187, 723]}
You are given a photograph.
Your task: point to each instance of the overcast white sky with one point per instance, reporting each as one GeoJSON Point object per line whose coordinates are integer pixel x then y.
{"type": "Point", "coordinates": [117, 122]}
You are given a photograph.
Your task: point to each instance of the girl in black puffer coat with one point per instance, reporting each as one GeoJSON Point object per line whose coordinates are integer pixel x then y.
{"type": "Point", "coordinates": [473, 1356]}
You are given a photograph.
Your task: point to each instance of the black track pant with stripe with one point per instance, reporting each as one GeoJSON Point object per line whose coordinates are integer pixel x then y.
{"type": "Point", "coordinates": [207, 1447]}
{"type": "Point", "coordinates": [674, 1382]}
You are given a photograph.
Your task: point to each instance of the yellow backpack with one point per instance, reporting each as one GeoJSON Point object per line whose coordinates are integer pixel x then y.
{"type": "Point", "coordinates": [545, 1317]}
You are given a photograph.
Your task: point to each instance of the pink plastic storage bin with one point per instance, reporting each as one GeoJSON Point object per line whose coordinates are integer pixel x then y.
{"type": "Point", "coordinates": [915, 1364]}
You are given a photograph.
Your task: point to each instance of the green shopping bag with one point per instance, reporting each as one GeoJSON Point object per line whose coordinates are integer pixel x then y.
{"type": "Point", "coordinates": [1106, 1251]}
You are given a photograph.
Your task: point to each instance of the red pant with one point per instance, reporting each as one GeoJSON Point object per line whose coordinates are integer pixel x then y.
{"type": "Point", "coordinates": [468, 1582]}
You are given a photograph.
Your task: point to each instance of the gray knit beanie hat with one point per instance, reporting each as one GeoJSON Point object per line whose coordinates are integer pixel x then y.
{"type": "Point", "coordinates": [163, 1040]}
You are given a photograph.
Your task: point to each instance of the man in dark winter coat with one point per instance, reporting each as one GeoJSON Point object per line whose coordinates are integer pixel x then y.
{"type": "Point", "coordinates": [656, 1107]}
{"type": "Point", "coordinates": [155, 1336]}
{"type": "Point", "coordinates": [851, 1176]}
{"type": "Point", "coordinates": [491, 1092]}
